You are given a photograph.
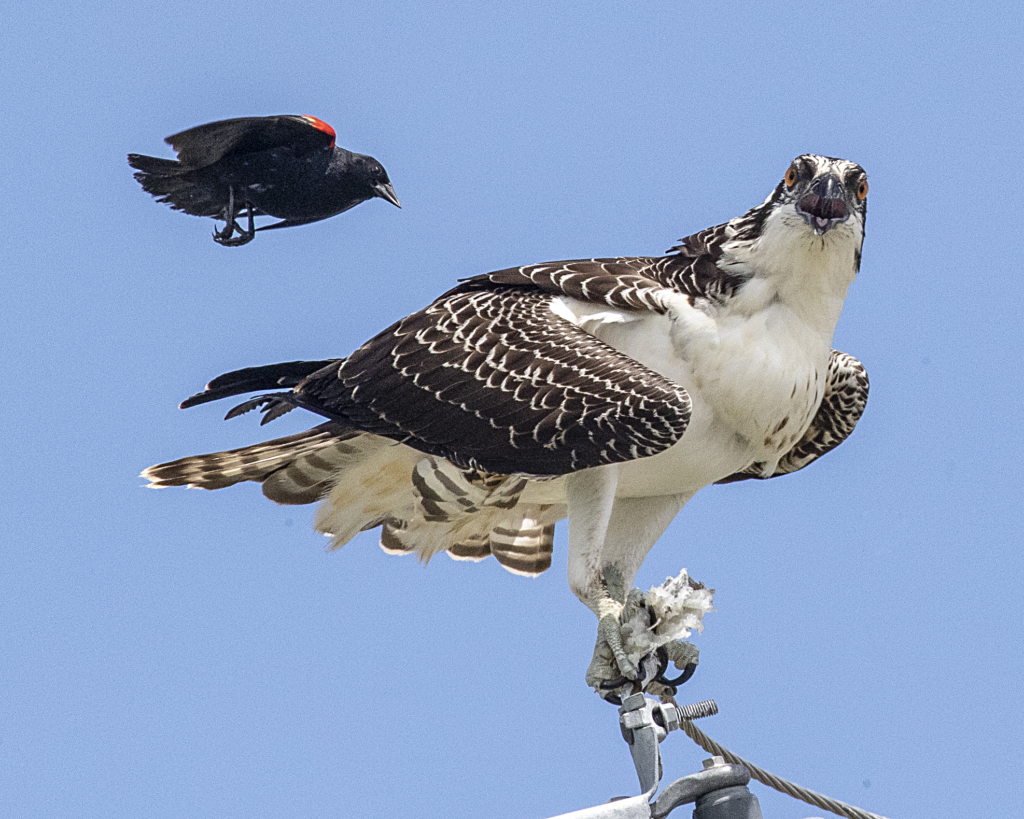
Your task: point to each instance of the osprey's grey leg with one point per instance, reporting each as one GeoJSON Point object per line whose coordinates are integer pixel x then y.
{"type": "Point", "coordinates": [608, 540]}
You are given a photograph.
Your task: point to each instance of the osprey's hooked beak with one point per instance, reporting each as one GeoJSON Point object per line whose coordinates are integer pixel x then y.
{"type": "Point", "coordinates": [385, 191]}
{"type": "Point", "coordinates": [824, 205]}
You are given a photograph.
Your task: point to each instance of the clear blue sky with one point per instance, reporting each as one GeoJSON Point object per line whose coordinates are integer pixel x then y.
{"type": "Point", "coordinates": [181, 653]}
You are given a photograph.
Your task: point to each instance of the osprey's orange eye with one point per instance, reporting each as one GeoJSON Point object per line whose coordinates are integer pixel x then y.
{"type": "Point", "coordinates": [790, 177]}
{"type": "Point", "coordinates": [862, 189]}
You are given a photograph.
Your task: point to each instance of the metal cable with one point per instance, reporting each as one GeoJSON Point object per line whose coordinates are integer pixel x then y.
{"type": "Point", "coordinates": [772, 781]}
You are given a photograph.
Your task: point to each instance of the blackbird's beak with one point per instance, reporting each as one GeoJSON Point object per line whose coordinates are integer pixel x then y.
{"type": "Point", "coordinates": [385, 191]}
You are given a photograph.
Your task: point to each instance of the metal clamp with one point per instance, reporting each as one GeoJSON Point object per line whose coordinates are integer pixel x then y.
{"type": "Point", "coordinates": [719, 791]}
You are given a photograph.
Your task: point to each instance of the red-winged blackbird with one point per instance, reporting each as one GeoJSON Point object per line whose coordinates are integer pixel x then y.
{"type": "Point", "coordinates": [287, 167]}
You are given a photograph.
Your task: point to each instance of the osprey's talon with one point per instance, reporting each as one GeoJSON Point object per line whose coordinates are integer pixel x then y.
{"type": "Point", "coordinates": [611, 685]}
{"type": "Point", "coordinates": [645, 674]}
{"type": "Point", "coordinates": [687, 673]}
{"type": "Point", "coordinates": [649, 679]}
{"type": "Point", "coordinates": [609, 668]}
{"type": "Point", "coordinates": [685, 657]}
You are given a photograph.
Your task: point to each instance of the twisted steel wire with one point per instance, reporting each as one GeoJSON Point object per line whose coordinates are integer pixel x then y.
{"type": "Point", "coordinates": [773, 781]}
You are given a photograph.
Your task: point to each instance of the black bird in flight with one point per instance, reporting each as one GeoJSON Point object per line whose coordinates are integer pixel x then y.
{"type": "Point", "coordinates": [286, 166]}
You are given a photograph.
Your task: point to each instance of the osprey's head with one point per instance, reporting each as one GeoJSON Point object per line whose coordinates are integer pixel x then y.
{"type": "Point", "coordinates": [812, 222]}
{"type": "Point", "coordinates": [822, 192]}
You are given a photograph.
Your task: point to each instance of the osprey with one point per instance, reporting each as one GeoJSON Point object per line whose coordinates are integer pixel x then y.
{"type": "Point", "coordinates": [608, 391]}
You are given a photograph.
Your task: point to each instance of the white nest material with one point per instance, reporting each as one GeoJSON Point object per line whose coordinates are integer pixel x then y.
{"type": "Point", "coordinates": [679, 605]}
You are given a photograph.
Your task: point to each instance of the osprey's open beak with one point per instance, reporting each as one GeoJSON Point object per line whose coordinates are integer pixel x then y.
{"type": "Point", "coordinates": [824, 205]}
{"type": "Point", "coordinates": [385, 191]}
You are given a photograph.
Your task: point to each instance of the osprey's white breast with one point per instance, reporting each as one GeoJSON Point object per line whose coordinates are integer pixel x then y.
{"type": "Point", "coordinates": [755, 382]}
{"type": "Point", "coordinates": [755, 367]}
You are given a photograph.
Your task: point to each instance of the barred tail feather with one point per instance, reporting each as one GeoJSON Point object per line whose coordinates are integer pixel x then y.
{"type": "Point", "coordinates": [472, 547]}
{"type": "Point", "coordinates": [521, 540]}
{"type": "Point", "coordinates": [422, 504]}
{"type": "Point", "coordinates": [526, 548]}
{"type": "Point", "coordinates": [370, 490]}
{"type": "Point", "coordinates": [260, 462]}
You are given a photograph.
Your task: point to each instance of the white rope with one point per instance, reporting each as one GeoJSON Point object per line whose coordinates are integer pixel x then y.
{"type": "Point", "coordinates": [772, 781]}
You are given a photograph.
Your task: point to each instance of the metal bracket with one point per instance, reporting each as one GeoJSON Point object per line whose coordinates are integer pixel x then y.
{"type": "Point", "coordinates": [719, 790]}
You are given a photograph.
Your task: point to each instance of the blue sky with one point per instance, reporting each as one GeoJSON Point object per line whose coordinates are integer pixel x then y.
{"type": "Point", "coordinates": [182, 653]}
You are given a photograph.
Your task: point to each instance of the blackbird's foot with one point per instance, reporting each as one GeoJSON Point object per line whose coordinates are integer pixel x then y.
{"type": "Point", "coordinates": [226, 237]}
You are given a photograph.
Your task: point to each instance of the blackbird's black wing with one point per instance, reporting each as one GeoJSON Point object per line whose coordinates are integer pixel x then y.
{"type": "Point", "coordinates": [206, 144]}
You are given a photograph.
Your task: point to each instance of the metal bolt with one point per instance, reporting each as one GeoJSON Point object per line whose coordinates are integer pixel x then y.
{"type": "Point", "coordinates": [706, 708]}
{"type": "Point", "coordinates": [714, 762]}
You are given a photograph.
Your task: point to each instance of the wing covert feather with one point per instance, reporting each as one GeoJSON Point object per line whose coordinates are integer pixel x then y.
{"type": "Point", "coordinates": [637, 282]}
{"type": "Point", "coordinates": [491, 378]}
{"type": "Point", "coordinates": [846, 395]}
{"type": "Point", "coordinates": [203, 145]}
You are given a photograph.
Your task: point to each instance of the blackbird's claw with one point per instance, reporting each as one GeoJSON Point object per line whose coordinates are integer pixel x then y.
{"type": "Point", "coordinates": [224, 237]}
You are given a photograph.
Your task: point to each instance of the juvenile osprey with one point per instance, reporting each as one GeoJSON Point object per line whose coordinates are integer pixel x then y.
{"type": "Point", "coordinates": [605, 390]}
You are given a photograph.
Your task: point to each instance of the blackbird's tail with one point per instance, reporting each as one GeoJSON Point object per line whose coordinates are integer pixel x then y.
{"type": "Point", "coordinates": [180, 187]}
